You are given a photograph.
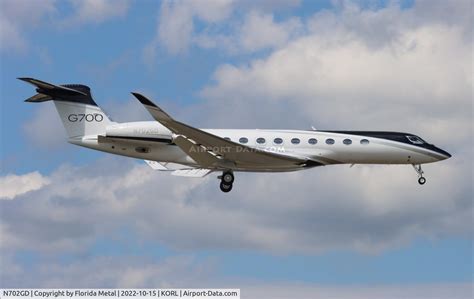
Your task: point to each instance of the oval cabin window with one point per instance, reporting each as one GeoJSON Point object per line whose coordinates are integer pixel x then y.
{"type": "Point", "coordinates": [295, 141]}
{"type": "Point", "coordinates": [347, 141]}
{"type": "Point", "coordinates": [243, 140]}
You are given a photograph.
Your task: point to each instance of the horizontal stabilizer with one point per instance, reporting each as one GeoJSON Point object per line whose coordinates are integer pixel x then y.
{"type": "Point", "coordinates": [76, 93]}
{"type": "Point", "coordinates": [45, 86]}
{"type": "Point", "coordinates": [38, 98]}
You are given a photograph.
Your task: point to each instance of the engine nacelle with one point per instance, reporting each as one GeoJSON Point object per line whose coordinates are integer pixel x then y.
{"type": "Point", "coordinates": [142, 129]}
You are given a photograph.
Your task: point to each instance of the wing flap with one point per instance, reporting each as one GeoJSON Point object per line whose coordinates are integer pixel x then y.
{"type": "Point", "coordinates": [167, 166]}
{"type": "Point", "coordinates": [156, 165]}
{"type": "Point", "coordinates": [192, 173]}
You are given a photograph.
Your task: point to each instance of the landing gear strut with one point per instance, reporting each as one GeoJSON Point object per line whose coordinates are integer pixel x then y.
{"type": "Point", "coordinates": [227, 178]}
{"type": "Point", "coordinates": [419, 171]}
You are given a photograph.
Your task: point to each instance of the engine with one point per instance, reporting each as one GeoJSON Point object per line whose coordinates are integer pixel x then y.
{"type": "Point", "coordinates": [143, 130]}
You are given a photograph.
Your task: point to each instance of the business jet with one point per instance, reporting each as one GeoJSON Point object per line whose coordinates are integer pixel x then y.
{"type": "Point", "coordinates": [170, 145]}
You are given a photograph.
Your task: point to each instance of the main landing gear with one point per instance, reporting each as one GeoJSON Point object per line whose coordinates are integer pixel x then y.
{"type": "Point", "coordinates": [227, 178]}
{"type": "Point", "coordinates": [419, 171]}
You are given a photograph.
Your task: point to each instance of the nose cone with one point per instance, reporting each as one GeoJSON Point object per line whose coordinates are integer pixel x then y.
{"type": "Point", "coordinates": [444, 153]}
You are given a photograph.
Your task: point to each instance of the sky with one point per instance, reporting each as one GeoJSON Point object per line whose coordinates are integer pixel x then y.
{"type": "Point", "coordinates": [72, 217]}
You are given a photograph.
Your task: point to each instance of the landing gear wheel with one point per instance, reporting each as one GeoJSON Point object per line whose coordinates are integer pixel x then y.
{"type": "Point", "coordinates": [419, 171]}
{"type": "Point", "coordinates": [227, 178]}
{"type": "Point", "coordinates": [225, 187]}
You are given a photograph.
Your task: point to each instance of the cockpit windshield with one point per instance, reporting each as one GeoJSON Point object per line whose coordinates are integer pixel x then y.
{"type": "Point", "coordinates": [415, 140]}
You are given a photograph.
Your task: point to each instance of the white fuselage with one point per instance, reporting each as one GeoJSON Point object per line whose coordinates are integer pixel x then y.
{"type": "Point", "coordinates": [167, 144]}
{"type": "Point", "coordinates": [152, 141]}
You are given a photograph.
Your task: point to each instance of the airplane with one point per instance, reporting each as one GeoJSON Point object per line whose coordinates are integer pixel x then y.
{"type": "Point", "coordinates": [170, 145]}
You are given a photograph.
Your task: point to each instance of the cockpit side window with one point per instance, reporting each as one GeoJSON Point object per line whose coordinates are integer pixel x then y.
{"type": "Point", "coordinates": [415, 139]}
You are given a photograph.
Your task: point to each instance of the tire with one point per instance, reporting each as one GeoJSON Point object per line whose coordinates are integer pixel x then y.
{"type": "Point", "coordinates": [225, 187]}
{"type": "Point", "coordinates": [227, 178]}
{"type": "Point", "coordinates": [421, 181]}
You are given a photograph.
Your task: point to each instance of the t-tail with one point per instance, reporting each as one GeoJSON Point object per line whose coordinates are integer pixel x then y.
{"type": "Point", "coordinates": [79, 113]}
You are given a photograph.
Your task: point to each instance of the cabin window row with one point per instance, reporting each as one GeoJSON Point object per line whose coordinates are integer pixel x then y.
{"type": "Point", "coordinates": [311, 141]}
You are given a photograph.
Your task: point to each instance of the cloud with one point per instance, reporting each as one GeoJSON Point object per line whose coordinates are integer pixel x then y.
{"type": "Point", "coordinates": [453, 13]}
{"type": "Point", "coordinates": [260, 31]}
{"type": "Point", "coordinates": [187, 271]}
{"type": "Point", "coordinates": [12, 185]}
{"type": "Point", "coordinates": [268, 5]}
{"type": "Point", "coordinates": [352, 79]}
{"type": "Point", "coordinates": [82, 205]}
{"type": "Point", "coordinates": [45, 119]}
{"type": "Point", "coordinates": [177, 32]}
{"type": "Point", "coordinates": [257, 31]}
{"type": "Point", "coordinates": [371, 213]}
{"type": "Point", "coordinates": [111, 272]}
{"type": "Point", "coordinates": [96, 11]}
{"type": "Point", "coordinates": [16, 17]}
{"type": "Point", "coordinates": [420, 291]}
{"type": "Point", "coordinates": [175, 25]}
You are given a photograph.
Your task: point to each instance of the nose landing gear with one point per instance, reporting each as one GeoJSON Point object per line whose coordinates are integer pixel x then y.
{"type": "Point", "coordinates": [227, 178]}
{"type": "Point", "coordinates": [419, 171]}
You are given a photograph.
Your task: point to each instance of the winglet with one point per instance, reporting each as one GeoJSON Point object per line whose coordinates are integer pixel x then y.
{"type": "Point", "coordinates": [143, 99]}
{"type": "Point", "coordinates": [155, 111]}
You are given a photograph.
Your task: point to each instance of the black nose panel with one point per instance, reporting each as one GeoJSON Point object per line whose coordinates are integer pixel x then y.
{"type": "Point", "coordinates": [442, 152]}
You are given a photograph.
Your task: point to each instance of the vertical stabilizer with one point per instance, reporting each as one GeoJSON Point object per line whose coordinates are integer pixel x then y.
{"type": "Point", "coordinates": [78, 111]}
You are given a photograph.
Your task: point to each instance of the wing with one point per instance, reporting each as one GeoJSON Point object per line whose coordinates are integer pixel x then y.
{"type": "Point", "coordinates": [212, 151]}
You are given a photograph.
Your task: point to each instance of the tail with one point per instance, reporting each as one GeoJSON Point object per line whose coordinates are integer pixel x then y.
{"type": "Point", "coordinates": [79, 113]}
